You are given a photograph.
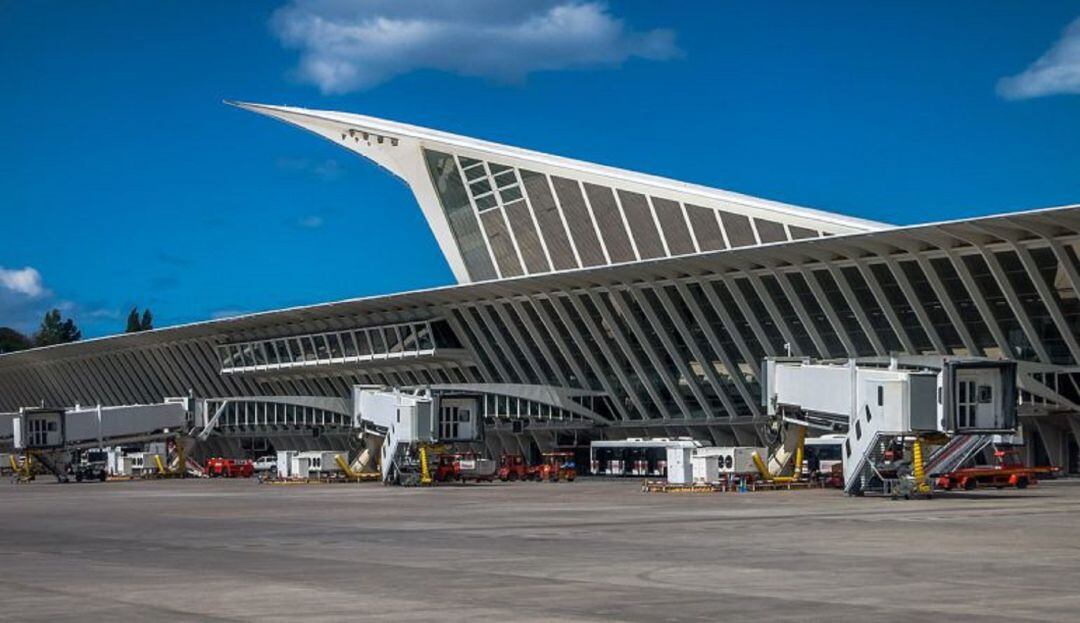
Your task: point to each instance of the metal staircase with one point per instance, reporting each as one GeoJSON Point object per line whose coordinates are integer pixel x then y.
{"type": "Point", "coordinates": [48, 464]}
{"type": "Point", "coordinates": [862, 449]}
{"type": "Point", "coordinates": [958, 451]}
{"type": "Point", "coordinates": [392, 454]}
{"type": "Point", "coordinates": [400, 464]}
{"type": "Point", "coordinates": [861, 475]}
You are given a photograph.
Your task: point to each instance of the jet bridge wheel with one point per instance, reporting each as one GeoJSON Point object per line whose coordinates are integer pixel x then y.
{"type": "Point", "coordinates": [772, 430]}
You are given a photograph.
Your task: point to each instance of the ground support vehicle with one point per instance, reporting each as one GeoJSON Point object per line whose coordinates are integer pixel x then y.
{"type": "Point", "coordinates": [514, 467]}
{"type": "Point", "coordinates": [1009, 472]}
{"type": "Point", "coordinates": [229, 468]}
{"type": "Point", "coordinates": [998, 477]}
{"type": "Point", "coordinates": [556, 466]}
{"type": "Point", "coordinates": [463, 467]}
{"type": "Point", "coordinates": [90, 465]}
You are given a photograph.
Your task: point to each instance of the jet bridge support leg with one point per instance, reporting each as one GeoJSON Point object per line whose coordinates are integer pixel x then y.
{"type": "Point", "coordinates": [790, 451]}
{"type": "Point", "coordinates": [922, 486]}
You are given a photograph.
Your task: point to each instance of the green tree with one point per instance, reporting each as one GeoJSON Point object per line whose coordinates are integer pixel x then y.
{"type": "Point", "coordinates": [11, 340]}
{"type": "Point", "coordinates": [56, 330]}
{"type": "Point", "coordinates": [133, 324]}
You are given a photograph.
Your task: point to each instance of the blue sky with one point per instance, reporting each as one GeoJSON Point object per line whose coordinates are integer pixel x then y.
{"type": "Point", "coordinates": [125, 181]}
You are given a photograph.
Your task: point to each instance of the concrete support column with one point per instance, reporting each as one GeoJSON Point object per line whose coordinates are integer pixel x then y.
{"type": "Point", "coordinates": [1053, 439]}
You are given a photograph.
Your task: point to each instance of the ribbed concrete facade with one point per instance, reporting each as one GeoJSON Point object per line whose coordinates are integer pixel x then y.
{"type": "Point", "coordinates": [597, 298]}
{"type": "Point", "coordinates": [672, 346]}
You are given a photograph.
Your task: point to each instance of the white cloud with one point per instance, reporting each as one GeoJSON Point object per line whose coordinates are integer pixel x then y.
{"type": "Point", "coordinates": [311, 222]}
{"type": "Point", "coordinates": [328, 169]}
{"type": "Point", "coordinates": [346, 46]}
{"type": "Point", "coordinates": [227, 313]}
{"type": "Point", "coordinates": [1056, 72]}
{"type": "Point", "coordinates": [25, 281]}
{"type": "Point", "coordinates": [23, 298]}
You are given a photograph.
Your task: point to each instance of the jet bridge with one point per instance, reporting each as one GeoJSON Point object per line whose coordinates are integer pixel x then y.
{"type": "Point", "coordinates": [890, 408]}
{"type": "Point", "coordinates": [412, 423]}
{"type": "Point", "coordinates": [51, 435]}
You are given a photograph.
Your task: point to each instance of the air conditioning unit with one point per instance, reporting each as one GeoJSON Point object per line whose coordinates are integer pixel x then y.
{"type": "Point", "coordinates": [732, 459]}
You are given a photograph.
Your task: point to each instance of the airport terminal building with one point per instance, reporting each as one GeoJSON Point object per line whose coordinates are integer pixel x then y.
{"type": "Point", "coordinates": [594, 302]}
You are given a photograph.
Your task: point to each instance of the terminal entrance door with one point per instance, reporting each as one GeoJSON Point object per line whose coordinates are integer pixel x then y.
{"type": "Point", "coordinates": [966, 404]}
{"type": "Point", "coordinates": [457, 419]}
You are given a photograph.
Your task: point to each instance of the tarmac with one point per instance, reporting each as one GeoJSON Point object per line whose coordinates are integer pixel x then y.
{"type": "Point", "coordinates": [235, 550]}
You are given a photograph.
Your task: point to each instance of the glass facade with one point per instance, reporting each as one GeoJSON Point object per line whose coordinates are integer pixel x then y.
{"type": "Point", "coordinates": [249, 414]}
{"type": "Point", "coordinates": [460, 214]}
{"type": "Point", "coordinates": [414, 339]}
{"type": "Point", "coordinates": [510, 221]}
{"type": "Point", "coordinates": [495, 405]}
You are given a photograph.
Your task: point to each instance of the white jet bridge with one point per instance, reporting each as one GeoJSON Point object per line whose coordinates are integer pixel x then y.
{"type": "Point", "coordinates": [53, 436]}
{"type": "Point", "coordinates": [404, 427]}
{"type": "Point", "coordinates": [890, 408]}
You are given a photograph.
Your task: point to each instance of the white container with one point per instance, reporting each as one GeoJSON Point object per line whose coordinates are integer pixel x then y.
{"type": "Point", "coordinates": [114, 461]}
{"type": "Point", "coordinates": [634, 456]}
{"type": "Point", "coordinates": [705, 469]}
{"type": "Point", "coordinates": [140, 464]}
{"type": "Point", "coordinates": [309, 464]}
{"type": "Point", "coordinates": [734, 459]}
{"type": "Point", "coordinates": [284, 463]}
{"type": "Point", "coordinates": [679, 467]}
{"type": "Point", "coordinates": [301, 467]}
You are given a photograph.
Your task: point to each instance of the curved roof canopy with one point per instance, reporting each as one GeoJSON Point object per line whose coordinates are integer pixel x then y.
{"type": "Point", "coordinates": [499, 211]}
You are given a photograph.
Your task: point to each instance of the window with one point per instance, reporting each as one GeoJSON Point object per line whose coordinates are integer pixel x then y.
{"type": "Point", "coordinates": [393, 340]}
{"type": "Point", "coordinates": [377, 344]}
{"type": "Point", "coordinates": [271, 353]}
{"type": "Point", "coordinates": [480, 187]}
{"type": "Point", "coordinates": [880, 395]}
{"type": "Point", "coordinates": [473, 172]}
{"type": "Point", "coordinates": [985, 394]}
{"type": "Point", "coordinates": [847, 448]}
{"type": "Point", "coordinates": [455, 203]}
{"type": "Point", "coordinates": [348, 342]}
{"type": "Point", "coordinates": [362, 343]}
{"type": "Point", "coordinates": [260, 355]}
{"type": "Point", "coordinates": [408, 337]}
{"type": "Point", "coordinates": [510, 194]}
{"type": "Point", "coordinates": [858, 430]}
{"type": "Point", "coordinates": [423, 338]}
{"type": "Point", "coordinates": [505, 179]}
{"type": "Point", "coordinates": [335, 345]}
{"type": "Point", "coordinates": [296, 350]}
